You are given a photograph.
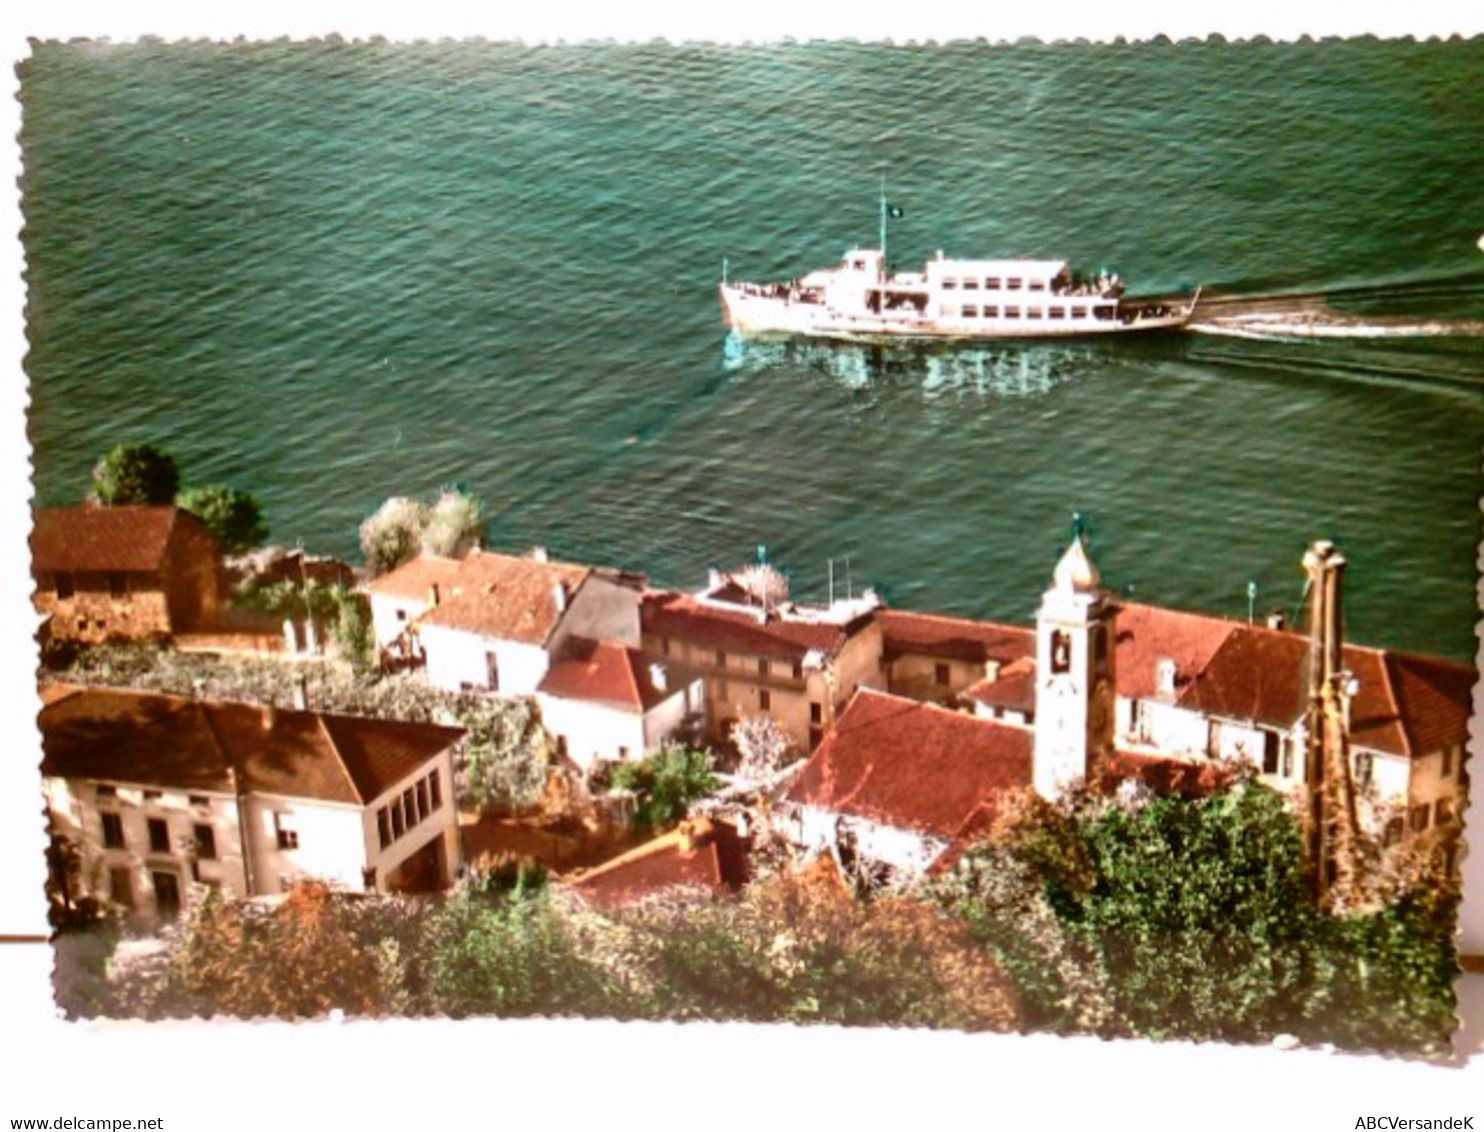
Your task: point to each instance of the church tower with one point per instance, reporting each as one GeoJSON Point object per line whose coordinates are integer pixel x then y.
{"type": "Point", "coordinates": [1074, 674]}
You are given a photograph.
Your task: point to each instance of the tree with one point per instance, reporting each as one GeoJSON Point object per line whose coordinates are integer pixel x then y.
{"type": "Point", "coordinates": [505, 757]}
{"type": "Point", "coordinates": [454, 525]}
{"type": "Point", "coordinates": [135, 473]}
{"type": "Point", "coordinates": [233, 516]}
{"type": "Point", "coordinates": [667, 782]}
{"type": "Point", "coordinates": [1193, 918]}
{"type": "Point", "coordinates": [765, 584]}
{"type": "Point", "coordinates": [763, 745]}
{"type": "Point", "coordinates": [393, 535]}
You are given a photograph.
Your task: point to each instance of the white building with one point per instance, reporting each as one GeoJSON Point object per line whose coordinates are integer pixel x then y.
{"type": "Point", "coordinates": [494, 622]}
{"type": "Point", "coordinates": [896, 781]}
{"type": "Point", "coordinates": [160, 792]}
{"type": "Point", "coordinates": [604, 702]}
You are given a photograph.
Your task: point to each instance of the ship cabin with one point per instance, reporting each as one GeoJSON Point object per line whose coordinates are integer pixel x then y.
{"type": "Point", "coordinates": [970, 293]}
{"type": "Point", "coordinates": [1019, 291]}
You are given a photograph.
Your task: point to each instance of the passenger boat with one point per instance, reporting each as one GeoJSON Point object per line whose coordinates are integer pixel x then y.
{"type": "Point", "coordinates": [861, 300]}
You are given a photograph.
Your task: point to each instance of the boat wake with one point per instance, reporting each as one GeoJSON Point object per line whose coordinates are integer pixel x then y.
{"type": "Point", "coordinates": [1383, 312]}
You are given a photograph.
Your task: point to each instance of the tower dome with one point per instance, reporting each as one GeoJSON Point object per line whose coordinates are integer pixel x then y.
{"type": "Point", "coordinates": [1075, 572]}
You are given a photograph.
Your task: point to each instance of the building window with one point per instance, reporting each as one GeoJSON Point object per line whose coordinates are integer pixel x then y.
{"type": "Point", "coordinates": [816, 713]}
{"type": "Point", "coordinates": [941, 675]}
{"type": "Point", "coordinates": [721, 659]}
{"type": "Point", "coordinates": [491, 672]}
{"type": "Point", "coordinates": [383, 827]}
{"type": "Point", "coordinates": [1420, 815]}
{"type": "Point", "coordinates": [121, 887]}
{"type": "Point", "coordinates": [623, 754]}
{"type": "Point", "coordinates": [798, 670]}
{"type": "Point", "coordinates": [200, 800]}
{"type": "Point", "coordinates": [159, 836]}
{"type": "Point", "coordinates": [1394, 830]}
{"type": "Point", "coordinates": [764, 700]}
{"type": "Point", "coordinates": [762, 667]}
{"type": "Point", "coordinates": [401, 615]}
{"type": "Point", "coordinates": [113, 831]}
{"type": "Point", "coordinates": [152, 795]}
{"type": "Point", "coordinates": [1270, 748]}
{"type": "Point", "coordinates": [399, 824]}
{"type": "Point", "coordinates": [1061, 651]}
{"type": "Point", "coordinates": [205, 837]}
{"type": "Point", "coordinates": [409, 807]}
{"type": "Point", "coordinates": [816, 734]}
{"type": "Point", "coordinates": [1442, 811]}
{"type": "Point", "coordinates": [368, 878]}
{"type": "Point", "coordinates": [106, 792]}
{"type": "Point", "coordinates": [284, 831]}
{"type": "Point", "coordinates": [435, 790]}
{"type": "Point", "coordinates": [423, 808]}
{"type": "Point", "coordinates": [118, 586]}
{"type": "Point", "coordinates": [64, 587]}
{"type": "Point", "coordinates": [167, 894]}
{"type": "Point", "coordinates": [1448, 760]}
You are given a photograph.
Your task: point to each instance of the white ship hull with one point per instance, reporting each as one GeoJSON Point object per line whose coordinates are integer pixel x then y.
{"type": "Point", "coordinates": [760, 315]}
{"type": "Point", "coordinates": [860, 301]}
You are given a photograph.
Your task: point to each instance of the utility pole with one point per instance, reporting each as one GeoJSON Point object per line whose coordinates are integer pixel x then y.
{"type": "Point", "coordinates": [1330, 817]}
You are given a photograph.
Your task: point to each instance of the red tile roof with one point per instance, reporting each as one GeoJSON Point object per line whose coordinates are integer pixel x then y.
{"type": "Point", "coordinates": [912, 765]}
{"type": "Point", "coordinates": [1147, 634]}
{"type": "Point", "coordinates": [116, 735]}
{"type": "Point", "coordinates": [683, 617]}
{"type": "Point", "coordinates": [97, 539]}
{"type": "Point", "coordinates": [413, 580]}
{"type": "Point", "coordinates": [505, 597]}
{"type": "Point", "coordinates": [1434, 698]}
{"type": "Point", "coordinates": [701, 853]}
{"type": "Point", "coordinates": [1014, 688]}
{"type": "Point", "coordinates": [1406, 705]}
{"type": "Point", "coordinates": [954, 638]}
{"type": "Point", "coordinates": [606, 673]}
{"type": "Point", "coordinates": [1189, 779]}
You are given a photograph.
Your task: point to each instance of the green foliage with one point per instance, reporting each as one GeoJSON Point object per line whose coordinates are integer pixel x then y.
{"type": "Point", "coordinates": [505, 757]}
{"type": "Point", "coordinates": [1193, 919]}
{"type": "Point", "coordinates": [233, 516]}
{"type": "Point", "coordinates": [352, 630]}
{"type": "Point", "coordinates": [403, 528]}
{"type": "Point", "coordinates": [134, 474]}
{"type": "Point", "coordinates": [508, 952]}
{"type": "Point", "coordinates": [801, 949]}
{"type": "Point", "coordinates": [455, 524]}
{"type": "Point", "coordinates": [667, 782]}
{"type": "Point", "coordinates": [393, 535]}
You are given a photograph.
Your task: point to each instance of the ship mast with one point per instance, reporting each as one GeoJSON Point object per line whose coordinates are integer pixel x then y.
{"type": "Point", "coordinates": [883, 222]}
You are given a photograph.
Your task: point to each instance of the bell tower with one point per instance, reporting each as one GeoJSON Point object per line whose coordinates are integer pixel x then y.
{"type": "Point", "coordinates": [1074, 673]}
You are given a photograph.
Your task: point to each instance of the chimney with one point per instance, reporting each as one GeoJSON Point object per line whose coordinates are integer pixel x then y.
{"type": "Point", "coordinates": [433, 593]}
{"type": "Point", "coordinates": [991, 669]}
{"type": "Point", "coordinates": [1165, 674]}
{"type": "Point", "coordinates": [1277, 620]}
{"type": "Point", "coordinates": [559, 596]}
{"type": "Point", "coordinates": [658, 677]}
{"type": "Point", "coordinates": [301, 693]}
{"type": "Point", "coordinates": [538, 554]}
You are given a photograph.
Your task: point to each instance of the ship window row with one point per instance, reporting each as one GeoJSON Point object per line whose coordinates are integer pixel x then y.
{"type": "Point", "coordinates": [993, 284]}
{"type": "Point", "coordinates": [971, 311]}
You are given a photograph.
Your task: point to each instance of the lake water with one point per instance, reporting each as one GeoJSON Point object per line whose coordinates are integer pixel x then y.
{"type": "Point", "coordinates": [327, 273]}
